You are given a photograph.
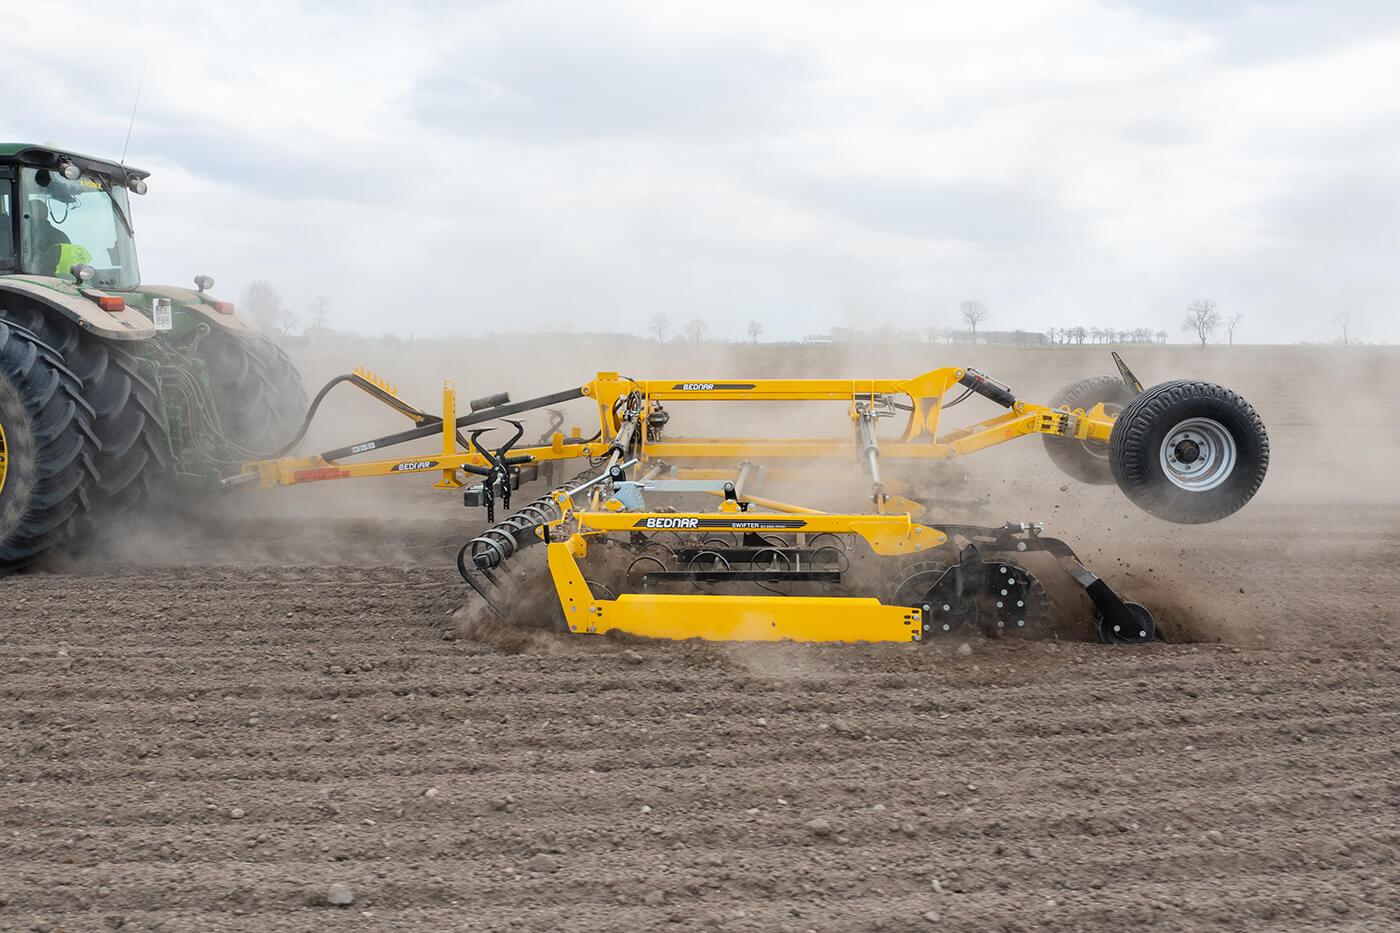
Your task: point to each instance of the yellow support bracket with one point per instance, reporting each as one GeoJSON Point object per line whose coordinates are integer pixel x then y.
{"type": "Point", "coordinates": [726, 618]}
{"type": "Point", "coordinates": [449, 437]}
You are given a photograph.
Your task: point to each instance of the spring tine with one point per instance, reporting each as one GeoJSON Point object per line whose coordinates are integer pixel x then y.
{"type": "Point", "coordinates": [501, 541]}
{"type": "Point", "coordinates": [491, 603]}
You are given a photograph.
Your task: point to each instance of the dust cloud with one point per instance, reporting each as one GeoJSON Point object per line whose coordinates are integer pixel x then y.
{"type": "Point", "coordinates": [1288, 569]}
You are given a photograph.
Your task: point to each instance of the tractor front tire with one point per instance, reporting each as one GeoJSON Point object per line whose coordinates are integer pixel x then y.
{"type": "Point", "coordinates": [48, 449]}
{"type": "Point", "coordinates": [1087, 460]}
{"type": "Point", "coordinates": [1189, 452]}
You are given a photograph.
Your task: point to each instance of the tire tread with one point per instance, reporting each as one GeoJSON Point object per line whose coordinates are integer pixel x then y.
{"type": "Point", "coordinates": [1131, 461]}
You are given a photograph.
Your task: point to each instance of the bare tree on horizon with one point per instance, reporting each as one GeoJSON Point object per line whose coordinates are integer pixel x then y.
{"type": "Point", "coordinates": [1201, 319]}
{"type": "Point", "coordinates": [1343, 320]}
{"type": "Point", "coordinates": [1231, 323]}
{"type": "Point", "coordinates": [318, 311]}
{"type": "Point", "coordinates": [695, 330]}
{"type": "Point", "coordinates": [659, 325]}
{"type": "Point", "coordinates": [755, 330]}
{"type": "Point", "coordinates": [263, 303]}
{"type": "Point", "coordinates": [974, 313]}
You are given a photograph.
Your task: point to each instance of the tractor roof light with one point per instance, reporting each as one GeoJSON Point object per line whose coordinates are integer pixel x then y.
{"type": "Point", "coordinates": [203, 283]}
{"type": "Point", "coordinates": [82, 272]}
{"type": "Point", "coordinates": [69, 171]}
{"type": "Point", "coordinates": [137, 185]}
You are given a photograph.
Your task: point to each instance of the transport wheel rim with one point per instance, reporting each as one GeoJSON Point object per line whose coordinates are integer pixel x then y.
{"type": "Point", "coordinates": [1198, 454]}
{"type": "Point", "coordinates": [4, 457]}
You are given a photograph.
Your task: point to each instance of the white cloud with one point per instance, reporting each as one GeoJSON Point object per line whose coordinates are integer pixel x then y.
{"type": "Point", "coordinates": [539, 163]}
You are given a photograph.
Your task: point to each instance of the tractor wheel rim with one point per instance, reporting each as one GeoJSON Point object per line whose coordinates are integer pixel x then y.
{"type": "Point", "coordinates": [1198, 454]}
{"type": "Point", "coordinates": [4, 457]}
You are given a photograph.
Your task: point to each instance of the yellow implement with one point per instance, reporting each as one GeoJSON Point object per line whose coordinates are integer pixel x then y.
{"type": "Point", "coordinates": [635, 542]}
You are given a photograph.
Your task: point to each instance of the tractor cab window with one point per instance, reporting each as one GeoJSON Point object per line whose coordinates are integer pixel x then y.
{"type": "Point", "coordinates": [7, 228]}
{"type": "Point", "coordinates": [67, 223]}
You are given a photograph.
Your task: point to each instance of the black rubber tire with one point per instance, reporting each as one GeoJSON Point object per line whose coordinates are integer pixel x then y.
{"type": "Point", "coordinates": [1087, 460]}
{"type": "Point", "coordinates": [1136, 444]}
{"type": "Point", "coordinates": [50, 450]}
{"type": "Point", "coordinates": [127, 414]}
{"type": "Point", "coordinates": [257, 389]}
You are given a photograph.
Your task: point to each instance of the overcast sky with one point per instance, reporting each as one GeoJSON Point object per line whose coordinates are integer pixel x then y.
{"type": "Point", "coordinates": [509, 165]}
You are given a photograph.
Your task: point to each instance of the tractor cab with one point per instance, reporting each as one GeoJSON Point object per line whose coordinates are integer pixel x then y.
{"type": "Point", "coordinates": [68, 216]}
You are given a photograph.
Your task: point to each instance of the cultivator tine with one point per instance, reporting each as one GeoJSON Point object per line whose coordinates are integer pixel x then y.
{"type": "Point", "coordinates": [1120, 622]}
{"type": "Point", "coordinates": [472, 576]}
{"type": "Point", "coordinates": [488, 551]}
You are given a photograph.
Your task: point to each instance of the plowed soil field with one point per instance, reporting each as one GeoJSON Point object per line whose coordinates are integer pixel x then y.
{"type": "Point", "coordinates": [231, 726]}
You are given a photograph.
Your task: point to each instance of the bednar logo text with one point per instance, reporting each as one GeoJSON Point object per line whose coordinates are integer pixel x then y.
{"type": "Point", "coordinates": [412, 465]}
{"type": "Point", "coordinates": [711, 386]}
{"type": "Point", "coordinates": [668, 523]}
{"type": "Point", "coordinates": [732, 524]}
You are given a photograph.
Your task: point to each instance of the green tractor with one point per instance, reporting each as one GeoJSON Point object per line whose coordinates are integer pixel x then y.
{"type": "Point", "coordinates": [112, 392]}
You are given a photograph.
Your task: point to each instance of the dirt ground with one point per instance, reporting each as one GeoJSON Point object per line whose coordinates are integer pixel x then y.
{"type": "Point", "coordinates": [208, 726]}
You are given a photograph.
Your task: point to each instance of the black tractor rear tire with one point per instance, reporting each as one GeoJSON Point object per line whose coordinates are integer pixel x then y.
{"type": "Point", "coordinates": [1189, 452]}
{"type": "Point", "coordinates": [49, 450]}
{"type": "Point", "coordinates": [1087, 460]}
{"type": "Point", "coordinates": [127, 414]}
{"type": "Point", "coordinates": [257, 389]}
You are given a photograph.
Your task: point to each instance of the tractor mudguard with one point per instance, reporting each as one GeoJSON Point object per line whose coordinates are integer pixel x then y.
{"type": "Point", "coordinates": [198, 305]}
{"type": "Point", "coordinates": [65, 299]}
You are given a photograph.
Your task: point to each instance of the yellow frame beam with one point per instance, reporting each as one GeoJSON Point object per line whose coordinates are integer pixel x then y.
{"type": "Point", "coordinates": [918, 440]}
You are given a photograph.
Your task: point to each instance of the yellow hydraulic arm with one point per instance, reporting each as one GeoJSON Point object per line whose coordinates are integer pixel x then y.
{"type": "Point", "coordinates": [922, 399]}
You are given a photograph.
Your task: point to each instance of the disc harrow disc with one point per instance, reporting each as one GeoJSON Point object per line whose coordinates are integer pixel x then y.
{"type": "Point", "coordinates": [1002, 599]}
{"type": "Point", "coordinates": [933, 588]}
{"type": "Point", "coordinates": [1014, 604]}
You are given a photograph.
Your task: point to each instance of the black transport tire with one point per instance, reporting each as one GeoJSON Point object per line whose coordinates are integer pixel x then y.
{"type": "Point", "coordinates": [127, 414]}
{"type": "Point", "coordinates": [1189, 452]}
{"type": "Point", "coordinates": [50, 449]}
{"type": "Point", "coordinates": [257, 389]}
{"type": "Point", "coordinates": [1087, 460]}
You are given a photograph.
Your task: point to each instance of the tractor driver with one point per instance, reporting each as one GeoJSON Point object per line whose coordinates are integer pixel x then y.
{"type": "Point", "coordinates": [50, 250]}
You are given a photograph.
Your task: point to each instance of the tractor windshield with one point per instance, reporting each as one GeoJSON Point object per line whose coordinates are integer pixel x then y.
{"type": "Point", "coordinates": [67, 223]}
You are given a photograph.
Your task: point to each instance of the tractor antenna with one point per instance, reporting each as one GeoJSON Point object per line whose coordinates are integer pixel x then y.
{"type": "Point", "coordinates": [140, 83]}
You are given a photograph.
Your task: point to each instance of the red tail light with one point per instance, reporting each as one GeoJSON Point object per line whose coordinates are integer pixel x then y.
{"type": "Point", "coordinates": [223, 307]}
{"type": "Point", "coordinates": [111, 304]}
